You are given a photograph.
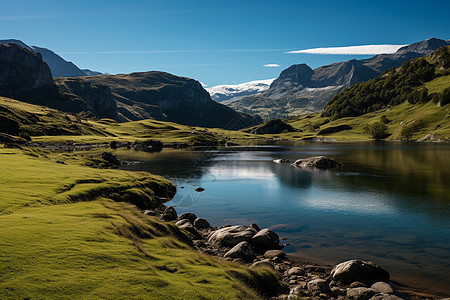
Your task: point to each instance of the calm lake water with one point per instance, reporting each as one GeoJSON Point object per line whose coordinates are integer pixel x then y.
{"type": "Point", "coordinates": [388, 203]}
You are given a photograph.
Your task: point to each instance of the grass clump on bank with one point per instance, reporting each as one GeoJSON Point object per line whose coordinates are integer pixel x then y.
{"type": "Point", "coordinates": [63, 237]}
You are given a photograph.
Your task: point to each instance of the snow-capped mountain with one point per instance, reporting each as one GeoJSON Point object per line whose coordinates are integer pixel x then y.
{"type": "Point", "coordinates": [221, 93]}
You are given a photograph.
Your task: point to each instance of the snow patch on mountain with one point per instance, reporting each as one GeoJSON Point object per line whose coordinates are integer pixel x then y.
{"type": "Point", "coordinates": [220, 93]}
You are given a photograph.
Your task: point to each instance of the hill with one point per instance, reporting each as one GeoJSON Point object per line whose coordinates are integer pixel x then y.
{"type": "Point", "coordinates": [301, 90]}
{"type": "Point", "coordinates": [162, 96]}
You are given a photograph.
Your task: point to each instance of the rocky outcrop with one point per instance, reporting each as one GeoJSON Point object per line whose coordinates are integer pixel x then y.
{"type": "Point", "coordinates": [357, 270]}
{"type": "Point", "coordinates": [58, 66]}
{"type": "Point", "coordinates": [318, 162]}
{"type": "Point", "coordinates": [265, 240]}
{"type": "Point", "coordinates": [22, 70]}
{"type": "Point", "coordinates": [98, 97]}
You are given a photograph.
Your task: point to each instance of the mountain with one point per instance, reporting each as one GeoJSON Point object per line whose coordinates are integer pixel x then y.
{"type": "Point", "coordinates": [300, 90]}
{"type": "Point", "coordinates": [221, 93]}
{"type": "Point", "coordinates": [88, 72]}
{"type": "Point", "coordinates": [25, 76]}
{"type": "Point", "coordinates": [161, 96]}
{"type": "Point", "coordinates": [410, 82]}
{"type": "Point", "coordinates": [58, 66]}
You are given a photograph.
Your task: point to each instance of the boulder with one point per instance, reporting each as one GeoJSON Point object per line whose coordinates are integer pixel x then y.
{"type": "Point", "coordinates": [169, 214]}
{"type": "Point", "coordinates": [382, 287]}
{"type": "Point", "coordinates": [382, 296]}
{"type": "Point", "coordinates": [265, 240]}
{"type": "Point", "coordinates": [182, 222]}
{"type": "Point", "coordinates": [110, 158]}
{"type": "Point", "coordinates": [199, 189]}
{"type": "Point", "coordinates": [357, 284]}
{"type": "Point", "coordinates": [232, 235]}
{"type": "Point", "coordinates": [274, 254]}
{"type": "Point", "coordinates": [361, 293]}
{"type": "Point", "coordinates": [191, 230]}
{"type": "Point", "coordinates": [255, 226]}
{"type": "Point", "coordinates": [319, 162]}
{"type": "Point", "coordinates": [318, 286]}
{"type": "Point", "coordinates": [296, 271]}
{"type": "Point", "coordinates": [262, 263]}
{"type": "Point", "coordinates": [189, 216]}
{"type": "Point", "coordinates": [201, 223]}
{"type": "Point", "coordinates": [243, 251]}
{"type": "Point", "coordinates": [357, 270]}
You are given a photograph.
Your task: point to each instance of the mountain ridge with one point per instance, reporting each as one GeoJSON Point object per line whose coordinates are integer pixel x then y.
{"type": "Point", "coordinates": [303, 92]}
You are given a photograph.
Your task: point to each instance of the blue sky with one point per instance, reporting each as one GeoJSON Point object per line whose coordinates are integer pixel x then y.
{"type": "Point", "coordinates": [216, 42]}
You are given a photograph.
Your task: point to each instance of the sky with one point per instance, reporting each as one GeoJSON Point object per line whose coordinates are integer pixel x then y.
{"type": "Point", "coordinates": [219, 42]}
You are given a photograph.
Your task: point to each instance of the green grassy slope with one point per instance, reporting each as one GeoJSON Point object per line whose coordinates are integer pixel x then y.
{"type": "Point", "coordinates": [63, 237]}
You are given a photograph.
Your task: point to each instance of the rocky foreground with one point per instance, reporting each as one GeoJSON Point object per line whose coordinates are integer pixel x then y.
{"type": "Point", "coordinates": [255, 247]}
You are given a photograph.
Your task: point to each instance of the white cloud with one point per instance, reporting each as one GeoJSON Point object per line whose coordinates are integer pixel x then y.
{"type": "Point", "coordinates": [271, 65]}
{"type": "Point", "coordinates": [353, 50]}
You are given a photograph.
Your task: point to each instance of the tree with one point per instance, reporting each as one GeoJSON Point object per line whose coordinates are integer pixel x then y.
{"type": "Point", "coordinates": [407, 132]}
{"type": "Point", "coordinates": [377, 130]}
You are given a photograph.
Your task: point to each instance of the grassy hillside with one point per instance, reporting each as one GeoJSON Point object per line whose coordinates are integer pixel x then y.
{"type": "Point", "coordinates": [64, 237]}
{"type": "Point", "coordinates": [409, 83]}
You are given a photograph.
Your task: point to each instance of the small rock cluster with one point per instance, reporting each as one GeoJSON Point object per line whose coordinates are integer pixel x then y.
{"type": "Point", "coordinates": [255, 247]}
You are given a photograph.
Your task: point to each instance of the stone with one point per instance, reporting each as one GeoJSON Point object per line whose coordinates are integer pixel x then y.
{"type": "Point", "coordinates": [319, 162]}
{"type": "Point", "coordinates": [274, 254]}
{"type": "Point", "coordinates": [357, 270]}
{"type": "Point", "coordinates": [361, 293]}
{"type": "Point", "coordinates": [182, 222]}
{"type": "Point", "coordinates": [199, 189]}
{"type": "Point", "coordinates": [318, 286]}
{"type": "Point", "coordinates": [382, 296]}
{"type": "Point", "coordinates": [281, 161]}
{"type": "Point", "coordinates": [337, 291]}
{"type": "Point", "coordinates": [201, 223]}
{"type": "Point", "coordinates": [191, 230]}
{"type": "Point", "coordinates": [232, 235]}
{"type": "Point", "coordinates": [265, 240]}
{"type": "Point", "coordinates": [262, 263]}
{"type": "Point", "coordinates": [169, 214]}
{"type": "Point", "coordinates": [189, 216]}
{"type": "Point", "coordinates": [382, 287]}
{"type": "Point", "coordinates": [255, 226]}
{"type": "Point", "coordinates": [296, 271]}
{"type": "Point", "coordinates": [357, 284]}
{"type": "Point", "coordinates": [243, 251]}
{"type": "Point", "coordinates": [110, 158]}
{"type": "Point", "coordinates": [149, 212]}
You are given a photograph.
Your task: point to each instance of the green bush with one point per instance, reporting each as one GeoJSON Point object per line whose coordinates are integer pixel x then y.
{"type": "Point", "coordinates": [378, 131]}
{"type": "Point", "coordinates": [407, 132]}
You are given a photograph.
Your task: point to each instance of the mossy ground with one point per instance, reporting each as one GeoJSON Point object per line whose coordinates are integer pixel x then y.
{"type": "Point", "coordinates": [62, 237]}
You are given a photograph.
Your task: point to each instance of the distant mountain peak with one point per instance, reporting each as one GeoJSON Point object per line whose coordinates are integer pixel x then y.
{"type": "Point", "coordinates": [424, 47]}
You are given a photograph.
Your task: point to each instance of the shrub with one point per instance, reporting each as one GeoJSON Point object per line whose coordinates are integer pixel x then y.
{"type": "Point", "coordinates": [407, 132]}
{"type": "Point", "coordinates": [385, 120]}
{"type": "Point", "coordinates": [377, 130]}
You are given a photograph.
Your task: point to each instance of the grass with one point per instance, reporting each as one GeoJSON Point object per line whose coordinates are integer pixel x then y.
{"type": "Point", "coordinates": [438, 85]}
{"type": "Point", "coordinates": [64, 237]}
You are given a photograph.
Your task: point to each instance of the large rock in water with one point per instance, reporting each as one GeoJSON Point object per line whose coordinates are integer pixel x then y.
{"type": "Point", "coordinates": [357, 270]}
{"type": "Point", "coordinates": [265, 240]}
{"type": "Point", "coordinates": [231, 236]}
{"type": "Point", "coordinates": [319, 162]}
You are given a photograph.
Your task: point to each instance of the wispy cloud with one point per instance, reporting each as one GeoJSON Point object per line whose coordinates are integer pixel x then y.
{"type": "Point", "coordinates": [352, 50]}
{"type": "Point", "coordinates": [271, 65]}
{"type": "Point", "coordinates": [173, 51]}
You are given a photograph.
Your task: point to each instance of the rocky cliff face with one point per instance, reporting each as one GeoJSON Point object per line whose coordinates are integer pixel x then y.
{"type": "Point", "coordinates": [98, 97]}
{"type": "Point", "coordinates": [58, 66]}
{"type": "Point", "coordinates": [163, 96]}
{"type": "Point", "coordinates": [300, 90]}
{"type": "Point", "coordinates": [22, 70]}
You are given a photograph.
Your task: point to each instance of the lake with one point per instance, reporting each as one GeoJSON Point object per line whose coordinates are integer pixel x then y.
{"type": "Point", "coordinates": [389, 203]}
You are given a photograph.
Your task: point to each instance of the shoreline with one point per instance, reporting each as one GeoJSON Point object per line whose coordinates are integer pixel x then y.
{"type": "Point", "coordinates": [313, 268]}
